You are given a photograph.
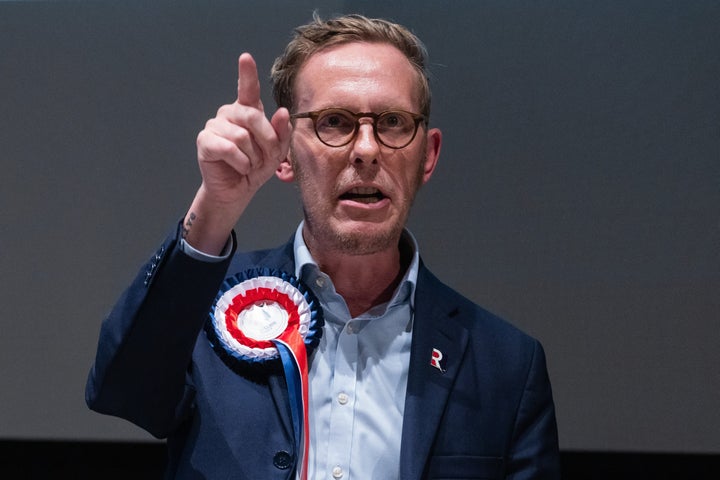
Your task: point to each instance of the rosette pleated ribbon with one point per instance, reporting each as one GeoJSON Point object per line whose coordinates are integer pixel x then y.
{"type": "Point", "coordinates": [262, 315]}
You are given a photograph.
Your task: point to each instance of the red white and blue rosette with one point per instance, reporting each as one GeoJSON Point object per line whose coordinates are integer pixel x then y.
{"type": "Point", "coordinates": [262, 315]}
{"type": "Point", "coordinates": [256, 307]}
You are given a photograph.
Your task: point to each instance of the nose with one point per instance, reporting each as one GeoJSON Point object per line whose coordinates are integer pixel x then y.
{"type": "Point", "coordinates": [365, 146]}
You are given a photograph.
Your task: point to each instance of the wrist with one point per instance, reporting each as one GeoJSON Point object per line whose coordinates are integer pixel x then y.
{"type": "Point", "coordinates": [208, 224]}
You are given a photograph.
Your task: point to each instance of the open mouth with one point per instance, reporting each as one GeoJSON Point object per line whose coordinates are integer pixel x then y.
{"type": "Point", "coordinates": [363, 195]}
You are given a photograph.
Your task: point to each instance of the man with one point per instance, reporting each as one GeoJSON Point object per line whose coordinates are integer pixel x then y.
{"type": "Point", "coordinates": [408, 379]}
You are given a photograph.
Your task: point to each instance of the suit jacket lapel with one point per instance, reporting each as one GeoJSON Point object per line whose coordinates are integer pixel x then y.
{"type": "Point", "coordinates": [435, 333]}
{"type": "Point", "coordinates": [280, 396]}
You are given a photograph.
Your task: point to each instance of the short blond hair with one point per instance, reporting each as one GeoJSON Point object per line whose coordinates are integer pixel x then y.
{"type": "Point", "coordinates": [319, 34]}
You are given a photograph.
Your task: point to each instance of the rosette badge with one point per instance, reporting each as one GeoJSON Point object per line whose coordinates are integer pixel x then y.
{"type": "Point", "coordinates": [256, 308]}
{"type": "Point", "coordinates": [264, 314]}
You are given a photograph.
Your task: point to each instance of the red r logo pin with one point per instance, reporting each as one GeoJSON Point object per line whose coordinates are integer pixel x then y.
{"type": "Point", "coordinates": [436, 360]}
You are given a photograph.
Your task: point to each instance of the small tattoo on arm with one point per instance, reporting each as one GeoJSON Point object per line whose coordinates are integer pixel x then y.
{"type": "Point", "coordinates": [188, 224]}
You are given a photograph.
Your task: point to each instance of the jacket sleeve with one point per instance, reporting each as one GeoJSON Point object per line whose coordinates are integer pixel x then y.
{"type": "Point", "coordinates": [145, 347]}
{"type": "Point", "coordinates": [535, 452]}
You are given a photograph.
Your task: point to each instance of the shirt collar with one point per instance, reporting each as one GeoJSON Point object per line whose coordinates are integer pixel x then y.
{"type": "Point", "coordinates": [303, 257]}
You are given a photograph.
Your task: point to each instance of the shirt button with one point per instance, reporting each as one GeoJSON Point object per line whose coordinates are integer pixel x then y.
{"type": "Point", "coordinates": [337, 472]}
{"type": "Point", "coordinates": [343, 398]}
{"type": "Point", "coordinates": [320, 282]}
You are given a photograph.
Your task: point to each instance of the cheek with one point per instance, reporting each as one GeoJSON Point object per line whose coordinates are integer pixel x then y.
{"type": "Point", "coordinates": [315, 163]}
{"type": "Point", "coordinates": [306, 149]}
{"type": "Point", "coordinates": [413, 176]}
{"type": "Point", "coordinates": [312, 177]}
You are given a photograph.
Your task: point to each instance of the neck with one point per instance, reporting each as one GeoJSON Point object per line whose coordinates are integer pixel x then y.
{"type": "Point", "coordinates": [365, 281]}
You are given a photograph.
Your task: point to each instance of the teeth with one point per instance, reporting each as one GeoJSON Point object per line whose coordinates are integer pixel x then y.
{"type": "Point", "coordinates": [364, 191]}
{"type": "Point", "coordinates": [363, 195]}
{"type": "Point", "coordinates": [367, 199]}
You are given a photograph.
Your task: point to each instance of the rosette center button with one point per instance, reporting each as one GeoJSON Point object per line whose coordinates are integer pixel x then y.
{"type": "Point", "coordinates": [263, 320]}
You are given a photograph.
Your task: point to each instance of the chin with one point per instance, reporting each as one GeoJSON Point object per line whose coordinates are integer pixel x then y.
{"type": "Point", "coordinates": [367, 239]}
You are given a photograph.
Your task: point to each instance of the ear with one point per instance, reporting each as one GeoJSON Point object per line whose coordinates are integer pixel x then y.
{"type": "Point", "coordinates": [432, 152]}
{"type": "Point", "coordinates": [285, 170]}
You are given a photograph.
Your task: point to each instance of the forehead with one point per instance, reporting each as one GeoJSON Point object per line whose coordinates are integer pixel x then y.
{"type": "Point", "coordinates": [358, 75]}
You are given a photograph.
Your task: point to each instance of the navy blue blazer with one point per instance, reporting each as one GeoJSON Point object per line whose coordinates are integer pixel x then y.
{"type": "Point", "coordinates": [488, 415]}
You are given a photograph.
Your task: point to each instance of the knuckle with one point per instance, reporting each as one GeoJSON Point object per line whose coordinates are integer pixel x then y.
{"type": "Point", "coordinates": [224, 111]}
{"type": "Point", "coordinates": [201, 137]}
{"type": "Point", "coordinates": [225, 149]}
{"type": "Point", "coordinates": [242, 136]}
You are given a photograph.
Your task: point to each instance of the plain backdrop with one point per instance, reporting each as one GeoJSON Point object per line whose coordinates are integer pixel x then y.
{"type": "Point", "coordinates": [578, 191]}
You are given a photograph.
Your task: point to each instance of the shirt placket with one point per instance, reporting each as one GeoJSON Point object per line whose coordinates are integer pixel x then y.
{"type": "Point", "coordinates": [343, 407]}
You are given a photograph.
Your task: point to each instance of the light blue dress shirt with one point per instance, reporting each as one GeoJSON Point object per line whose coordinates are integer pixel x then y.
{"type": "Point", "coordinates": [358, 377]}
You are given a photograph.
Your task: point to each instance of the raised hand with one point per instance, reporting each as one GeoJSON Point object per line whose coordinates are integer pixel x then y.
{"type": "Point", "coordinates": [238, 151]}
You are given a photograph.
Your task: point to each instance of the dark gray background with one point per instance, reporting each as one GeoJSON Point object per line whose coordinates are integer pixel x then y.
{"type": "Point", "coordinates": [578, 193]}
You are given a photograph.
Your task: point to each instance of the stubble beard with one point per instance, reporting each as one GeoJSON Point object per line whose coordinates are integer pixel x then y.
{"type": "Point", "coordinates": [352, 242]}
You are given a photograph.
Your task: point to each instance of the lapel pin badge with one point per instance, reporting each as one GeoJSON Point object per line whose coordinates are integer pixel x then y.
{"type": "Point", "coordinates": [437, 360]}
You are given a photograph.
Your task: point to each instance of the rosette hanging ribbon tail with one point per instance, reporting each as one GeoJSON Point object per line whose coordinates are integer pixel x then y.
{"type": "Point", "coordinates": [262, 314]}
{"type": "Point", "coordinates": [291, 347]}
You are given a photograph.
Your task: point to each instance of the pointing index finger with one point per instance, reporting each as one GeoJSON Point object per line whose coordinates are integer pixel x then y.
{"type": "Point", "coordinates": [248, 87]}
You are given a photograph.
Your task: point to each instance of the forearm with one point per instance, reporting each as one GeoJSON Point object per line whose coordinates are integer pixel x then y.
{"type": "Point", "coordinates": [146, 343]}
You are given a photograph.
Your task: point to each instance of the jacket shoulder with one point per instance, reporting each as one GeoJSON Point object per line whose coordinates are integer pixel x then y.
{"type": "Point", "coordinates": [480, 322]}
